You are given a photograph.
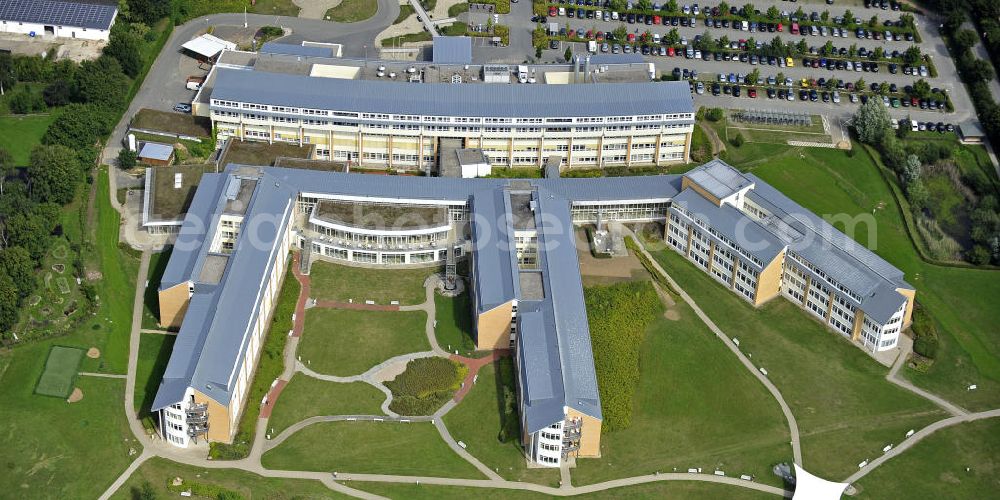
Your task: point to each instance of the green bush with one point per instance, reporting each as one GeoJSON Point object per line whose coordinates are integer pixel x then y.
{"type": "Point", "coordinates": [925, 333]}
{"type": "Point", "coordinates": [715, 114]}
{"type": "Point", "coordinates": [426, 384]}
{"type": "Point", "coordinates": [619, 316]}
{"type": "Point", "coordinates": [737, 140]}
{"type": "Point", "coordinates": [203, 490]}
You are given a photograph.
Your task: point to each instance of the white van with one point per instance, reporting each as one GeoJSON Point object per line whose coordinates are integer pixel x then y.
{"type": "Point", "coordinates": [592, 47]}
{"type": "Point", "coordinates": [745, 26]}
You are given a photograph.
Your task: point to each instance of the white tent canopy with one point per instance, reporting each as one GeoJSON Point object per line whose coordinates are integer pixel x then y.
{"type": "Point", "coordinates": [810, 487]}
{"type": "Point", "coordinates": [208, 46]}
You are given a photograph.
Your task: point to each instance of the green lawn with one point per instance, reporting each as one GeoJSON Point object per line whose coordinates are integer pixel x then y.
{"type": "Point", "coordinates": [454, 324]}
{"type": "Point", "coordinates": [60, 372]}
{"type": "Point", "coordinates": [151, 298]}
{"type": "Point", "coordinates": [405, 11]}
{"type": "Point", "coordinates": [370, 447]}
{"type": "Point", "coordinates": [845, 408]}
{"type": "Point", "coordinates": [347, 342]}
{"type": "Point", "coordinates": [190, 9]}
{"type": "Point", "coordinates": [935, 467]}
{"type": "Point", "coordinates": [960, 299]}
{"type": "Point", "coordinates": [692, 413]}
{"type": "Point", "coordinates": [477, 422]}
{"type": "Point", "coordinates": [54, 449]}
{"type": "Point", "coordinates": [19, 134]}
{"type": "Point", "coordinates": [352, 11]}
{"type": "Point", "coordinates": [160, 472]}
{"type": "Point", "coordinates": [154, 352]}
{"type": "Point", "coordinates": [672, 490]}
{"type": "Point", "coordinates": [343, 283]}
{"type": "Point", "coordinates": [306, 397]}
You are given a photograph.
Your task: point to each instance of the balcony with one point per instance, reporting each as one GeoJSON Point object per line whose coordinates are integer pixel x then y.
{"type": "Point", "coordinates": [196, 417]}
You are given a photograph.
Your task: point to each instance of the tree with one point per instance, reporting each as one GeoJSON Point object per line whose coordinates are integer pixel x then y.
{"type": "Point", "coordinates": [568, 55]}
{"type": "Point", "coordinates": [753, 77]}
{"type": "Point", "coordinates": [979, 71]}
{"type": "Point", "coordinates": [6, 166]}
{"type": "Point", "coordinates": [27, 231]}
{"type": "Point", "coordinates": [737, 140]}
{"type": "Point", "coordinates": [953, 20]}
{"type": "Point", "coordinates": [918, 195]}
{"type": "Point", "coordinates": [102, 82]}
{"type": "Point", "coordinates": [644, 5]}
{"type": "Point", "coordinates": [80, 126]}
{"type": "Point", "coordinates": [852, 50]}
{"type": "Point", "coordinates": [671, 6]}
{"type": "Point", "coordinates": [912, 170]}
{"type": "Point", "coordinates": [148, 11]}
{"type": "Point", "coordinates": [871, 122]}
{"type": "Point", "coordinates": [912, 55]}
{"type": "Point", "coordinates": [827, 48]}
{"type": "Point", "coordinates": [921, 88]}
{"type": "Point", "coordinates": [873, 22]}
{"type": "Point", "coordinates": [9, 302]}
{"type": "Point", "coordinates": [773, 12]}
{"type": "Point", "coordinates": [17, 263]}
{"type": "Point", "coordinates": [125, 46]}
{"type": "Point", "coordinates": [860, 85]}
{"type": "Point", "coordinates": [848, 17]}
{"type": "Point", "coordinates": [672, 37]}
{"type": "Point", "coordinates": [883, 88]}
{"type": "Point", "coordinates": [127, 159]}
{"type": "Point", "coordinates": [58, 93]}
{"type": "Point", "coordinates": [800, 14]}
{"type": "Point", "coordinates": [825, 16]}
{"type": "Point", "coordinates": [904, 128]}
{"type": "Point", "coordinates": [620, 33]}
{"type": "Point", "coordinates": [802, 47]}
{"type": "Point", "coordinates": [878, 53]}
{"type": "Point", "coordinates": [748, 10]}
{"type": "Point", "coordinates": [618, 5]}
{"type": "Point", "coordinates": [53, 174]}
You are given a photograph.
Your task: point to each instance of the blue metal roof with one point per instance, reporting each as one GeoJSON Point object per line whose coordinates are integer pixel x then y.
{"type": "Point", "coordinates": [452, 50]}
{"type": "Point", "coordinates": [83, 14]}
{"type": "Point", "coordinates": [449, 99]}
{"type": "Point", "coordinates": [156, 151]}
{"type": "Point", "coordinates": [495, 272]}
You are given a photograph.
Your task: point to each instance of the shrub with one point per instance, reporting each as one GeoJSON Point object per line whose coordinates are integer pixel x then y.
{"type": "Point", "coordinates": [426, 384]}
{"type": "Point", "coordinates": [925, 333]}
{"type": "Point", "coordinates": [737, 140]}
{"type": "Point", "coordinates": [715, 114]}
{"type": "Point", "coordinates": [619, 315]}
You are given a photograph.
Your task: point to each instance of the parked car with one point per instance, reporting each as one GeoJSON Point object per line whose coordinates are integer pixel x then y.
{"type": "Point", "coordinates": [182, 108]}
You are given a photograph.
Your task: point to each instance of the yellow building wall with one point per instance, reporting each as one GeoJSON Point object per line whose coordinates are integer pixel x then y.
{"type": "Point", "coordinates": [173, 304]}
{"type": "Point", "coordinates": [493, 327]}
{"type": "Point", "coordinates": [218, 419]}
{"type": "Point", "coordinates": [590, 434]}
{"type": "Point", "coordinates": [769, 281]}
{"type": "Point", "coordinates": [859, 323]}
{"type": "Point", "coordinates": [688, 183]}
{"type": "Point", "coordinates": [911, 296]}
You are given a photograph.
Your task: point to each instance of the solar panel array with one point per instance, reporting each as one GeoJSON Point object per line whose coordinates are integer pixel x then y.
{"type": "Point", "coordinates": [59, 13]}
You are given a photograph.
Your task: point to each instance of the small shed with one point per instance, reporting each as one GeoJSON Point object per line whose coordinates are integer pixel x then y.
{"type": "Point", "coordinates": [473, 163]}
{"type": "Point", "coordinates": [207, 47]}
{"type": "Point", "coordinates": [452, 50]}
{"type": "Point", "coordinates": [155, 153]}
{"type": "Point", "coordinates": [971, 132]}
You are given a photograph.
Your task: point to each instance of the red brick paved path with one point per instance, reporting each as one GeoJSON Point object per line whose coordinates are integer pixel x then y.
{"type": "Point", "coordinates": [300, 306]}
{"type": "Point", "coordinates": [272, 397]}
{"type": "Point", "coordinates": [474, 365]}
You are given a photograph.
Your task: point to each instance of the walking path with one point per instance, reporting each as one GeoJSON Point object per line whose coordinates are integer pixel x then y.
{"type": "Point", "coordinates": [905, 348]}
{"type": "Point", "coordinates": [792, 425]}
{"type": "Point", "coordinates": [424, 18]}
{"type": "Point", "coordinates": [102, 375]}
{"type": "Point", "coordinates": [474, 365]}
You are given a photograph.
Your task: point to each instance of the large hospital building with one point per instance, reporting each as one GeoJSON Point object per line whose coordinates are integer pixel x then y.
{"type": "Point", "coordinates": [230, 257]}
{"type": "Point", "coordinates": [352, 111]}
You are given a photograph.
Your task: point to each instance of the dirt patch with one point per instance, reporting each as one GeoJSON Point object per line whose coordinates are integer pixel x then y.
{"type": "Point", "coordinates": [59, 268]}
{"type": "Point", "coordinates": [672, 314]}
{"type": "Point", "coordinates": [76, 396]}
{"type": "Point", "coordinates": [93, 353]}
{"type": "Point", "coordinates": [94, 275]}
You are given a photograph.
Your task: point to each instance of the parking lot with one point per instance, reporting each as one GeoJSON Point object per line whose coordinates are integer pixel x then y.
{"type": "Point", "coordinates": [740, 45]}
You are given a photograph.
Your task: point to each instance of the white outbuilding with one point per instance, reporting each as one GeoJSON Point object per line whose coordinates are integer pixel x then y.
{"type": "Point", "coordinates": [85, 19]}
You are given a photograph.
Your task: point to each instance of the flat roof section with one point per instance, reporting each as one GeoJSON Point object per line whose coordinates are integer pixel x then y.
{"type": "Point", "coordinates": [532, 286]}
{"type": "Point", "coordinates": [380, 216]}
{"type": "Point", "coordinates": [522, 212]}
{"type": "Point", "coordinates": [168, 201]}
{"type": "Point", "coordinates": [213, 269]}
{"type": "Point", "coordinates": [238, 194]}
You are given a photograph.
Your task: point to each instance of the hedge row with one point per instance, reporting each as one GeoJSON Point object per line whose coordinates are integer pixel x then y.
{"type": "Point", "coordinates": [619, 316]}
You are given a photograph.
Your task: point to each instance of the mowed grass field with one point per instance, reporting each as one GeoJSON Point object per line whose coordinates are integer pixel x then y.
{"type": "Point", "coordinates": [454, 324]}
{"type": "Point", "coordinates": [352, 11]}
{"type": "Point", "coordinates": [159, 472]}
{"type": "Point", "coordinates": [845, 409]}
{"type": "Point", "coordinates": [936, 466]}
{"type": "Point", "coordinates": [961, 300]}
{"type": "Point", "coordinates": [477, 421]}
{"type": "Point", "coordinates": [19, 134]}
{"type": "Point", "coordinates": [696, 406]}
{"type": "Point", "coordinates": [409, 449]}
{"type": "Point", "coordinates": [60, 372]}
{"type": "Point", "coordinates": [349, 342]}
{"type": "Point", "coordinates": [306, 397]}
{"type": "Point", "coordinates": [342, 283]}
{"type": "Point", "coordinates": [154, 353]}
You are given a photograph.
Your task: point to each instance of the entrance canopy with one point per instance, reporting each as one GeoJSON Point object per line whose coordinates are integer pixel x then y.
{"type": "Point", "coordinates": [810, 487]}
{"type": "Point", "coordinates": [208, 46]}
